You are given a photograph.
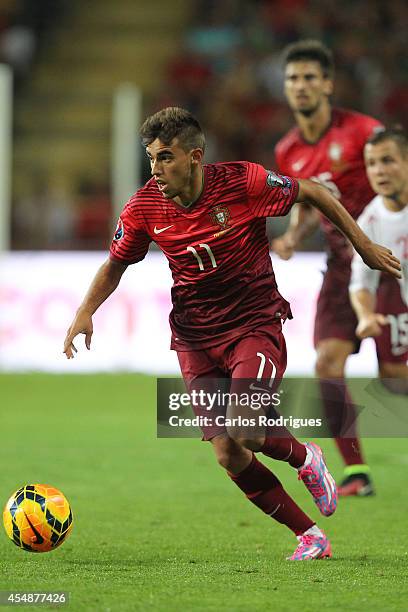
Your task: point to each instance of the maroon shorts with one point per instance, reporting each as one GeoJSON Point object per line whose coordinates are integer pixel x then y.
{"type": "Point", "coordinates": [392, 345]}
{"type": "Point", "coordinates": [335, 316]}
{"type": "Point", "coordinates": [259, 355]}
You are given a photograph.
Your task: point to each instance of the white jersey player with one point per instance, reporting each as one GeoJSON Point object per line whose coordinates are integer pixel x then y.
{"type": "Point", "coordinates": [381, 302]}
{"type": "Point", "coordinates": [387, 227]}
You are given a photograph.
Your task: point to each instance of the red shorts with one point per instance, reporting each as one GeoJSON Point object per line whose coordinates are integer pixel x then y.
{"type": "Point", "coordinates": [335, 316]}
{"type": "Point", "coordinates": [392, 345]}
{"type": "Point", "coordinates": [259, 355]}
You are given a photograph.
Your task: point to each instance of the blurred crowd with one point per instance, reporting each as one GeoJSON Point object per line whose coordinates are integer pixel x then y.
{"type": "Point", "coordinates": [228, 72]}
{"type": "Point", "coordinates": [54, 214]}
{"type": "Point", "coordinates": [23, 24]}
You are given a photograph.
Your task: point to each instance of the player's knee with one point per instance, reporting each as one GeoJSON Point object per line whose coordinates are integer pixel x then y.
{"type": "Point", "coordinates": [230, 455]}
{"type": "Point", "coordinates": [251, 442]}
{"type": "Point", "coordinates": [244, 427]}
{"type": "Point", "coordinates": [389, 370]}
{"type": "Point", "coordinates": [329, 365]}
{"type": "Point", "coordinates": [229, 461]}
{"type": "Point", "coordinates": [331, 359]}
{"type": "Point", "coordinates": [394, 377]}
{"type": "Point", "coordinates": [225, 451]}
{"type": "Point", "coordinates": [399, 386]}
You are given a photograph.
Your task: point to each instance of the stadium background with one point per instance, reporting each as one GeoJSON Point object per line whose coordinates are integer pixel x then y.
{"type": "Point", "coordinates": [92, 434]}
{"type": "Point", "coordinates": [74, 165]}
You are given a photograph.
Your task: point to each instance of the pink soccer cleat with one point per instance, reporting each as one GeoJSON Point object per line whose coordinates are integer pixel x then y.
{"type": "Point", "coordinates": [311, 547]}
{"type": "Point", "coordinates": [318, 481]}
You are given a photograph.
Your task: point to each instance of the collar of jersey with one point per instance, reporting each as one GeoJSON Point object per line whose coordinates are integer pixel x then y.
{"type": "Point", "coordinates": [394, 215]}
{"type": "Point", "coordinates": [333, 118]}
{"type": "Point", "coordinates": [194, 207]}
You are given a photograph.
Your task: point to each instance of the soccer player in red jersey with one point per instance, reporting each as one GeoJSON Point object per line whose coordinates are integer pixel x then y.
{"type": "Point", "coordinates": [327, 146]}
{"type": "Point", "coordinates": [209, 221]}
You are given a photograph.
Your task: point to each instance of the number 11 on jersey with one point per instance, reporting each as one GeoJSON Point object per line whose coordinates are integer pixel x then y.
{"type": "Point", "coordinates": [198, 257]}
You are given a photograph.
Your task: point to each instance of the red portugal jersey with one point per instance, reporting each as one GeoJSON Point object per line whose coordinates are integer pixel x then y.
{"type": "Point", "coordinates": [337, 161]}
{"type": "Point", "coordinates": [218, 252]}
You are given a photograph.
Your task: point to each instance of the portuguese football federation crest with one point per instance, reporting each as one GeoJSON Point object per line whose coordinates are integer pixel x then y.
{"type": "Point", "coordinates": [335, 151]}
{"type": "Point", "coordinates": [221, 215]}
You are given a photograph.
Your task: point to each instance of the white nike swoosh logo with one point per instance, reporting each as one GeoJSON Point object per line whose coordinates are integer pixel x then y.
{"type": "Point", "coordinates": [298, 165]}
{"type": "Point", "coordinates": [255, 387]}
{"type": "Point", "coordinates": [162, 229]}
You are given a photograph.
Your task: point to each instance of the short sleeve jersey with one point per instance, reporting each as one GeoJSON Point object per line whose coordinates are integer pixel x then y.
{"type": "Point", "coordinates": [217, 249]}
{"type": "Point", "coordinates": [337, 161]}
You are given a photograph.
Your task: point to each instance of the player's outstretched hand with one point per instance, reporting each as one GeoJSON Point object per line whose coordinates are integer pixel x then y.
{"type": "Point", "coordinates": [380, 258]}
{"type": "Point", "coordinates": [284, 246]}
{"type": "Point", "coordinates": [82, 324]}
{"type": "Point", "coordinates": [371, 325]}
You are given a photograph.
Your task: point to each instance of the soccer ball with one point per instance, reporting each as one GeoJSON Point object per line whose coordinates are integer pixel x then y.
{"type": "Point", "coordinates": [37, 518]}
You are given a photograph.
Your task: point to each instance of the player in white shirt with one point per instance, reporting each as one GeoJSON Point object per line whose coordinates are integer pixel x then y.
{"type": "Point", "coordinates": [381, 302]}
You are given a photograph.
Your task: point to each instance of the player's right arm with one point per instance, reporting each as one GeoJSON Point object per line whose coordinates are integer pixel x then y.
{"type": "Point", "coordinates": [129, 245]}
{"type": "Point", "coordinates": [105, 282]}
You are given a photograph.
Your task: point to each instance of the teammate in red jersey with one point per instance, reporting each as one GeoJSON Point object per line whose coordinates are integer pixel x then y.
{"type": "Point", "coordinates": [226, 320]}
{"type": "Point", "coordinates": [327, 145]}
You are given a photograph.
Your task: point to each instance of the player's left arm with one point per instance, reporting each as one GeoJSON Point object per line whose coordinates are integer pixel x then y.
{"type": "Point", "coordinates": [374, 255]}
{"type": "Point", "coordinates": [370, 323]}
{"type": "Point", "coordinates": [363, 289]}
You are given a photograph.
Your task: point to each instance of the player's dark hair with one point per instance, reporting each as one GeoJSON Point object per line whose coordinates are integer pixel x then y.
{"type": "Point", "coordinates": [173, 122]}
{"type": "Point", "coordinates": [310, 50]}
{"type": "Point", "coordinates": [395, 133]}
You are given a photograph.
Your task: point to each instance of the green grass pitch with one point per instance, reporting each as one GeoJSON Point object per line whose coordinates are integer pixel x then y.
{"type": "Point", "coordinates": [158, 526]}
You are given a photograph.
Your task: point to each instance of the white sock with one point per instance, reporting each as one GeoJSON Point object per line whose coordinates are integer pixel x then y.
{"type": "Point", "coordinates": [314, 531]}
{"type": "Point", "coordinates": [308, 458]}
